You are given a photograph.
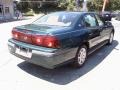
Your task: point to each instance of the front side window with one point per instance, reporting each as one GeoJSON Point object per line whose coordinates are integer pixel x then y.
{"type": "Point", "coordinates": [57, 19]}
{"type": "Point", "coordinates": [90, 21]}
{"type": "Point", "coordinates": [100, 22]}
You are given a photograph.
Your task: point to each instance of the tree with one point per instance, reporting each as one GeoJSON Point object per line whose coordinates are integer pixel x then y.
{"type": "Point", "coordinates": [69, 4]}
{"type": "Point", "coordinates": [114, 5]}
{"type": "Point", "coordinates": [96, 5]}
{"type": "Point", "coordinates": [93, 5]}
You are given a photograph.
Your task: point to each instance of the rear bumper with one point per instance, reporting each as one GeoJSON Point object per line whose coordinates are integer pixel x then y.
{"type": "Point", "coordinates": [45, 57]}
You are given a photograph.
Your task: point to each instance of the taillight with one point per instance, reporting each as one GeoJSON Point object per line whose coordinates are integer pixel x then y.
{"type": "Point", "coordinates": [51, 42]}
{"type": "Point", "coordinates": [15, 34]}
{"type": "Point", "coordinates": [37, 39]}
{"type": "Point", "coordinates": [46, 41]}
{"type": "Point", "coordinates": [21, 36]}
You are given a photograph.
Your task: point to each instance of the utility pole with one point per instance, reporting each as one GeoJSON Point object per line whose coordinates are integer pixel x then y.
{"type": "Point", "coordinates": [104, 5]}
{"type": "Point", "coordinates": [84, 5]}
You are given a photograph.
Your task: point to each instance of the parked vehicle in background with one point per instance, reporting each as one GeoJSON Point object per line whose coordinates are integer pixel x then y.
{"type": "Point", "coordinates": [118, 16]}
{"type": "Point", "coordinates": [107, 15]}
{"type": "Point", "coordinates": [61, 37]}
{"type": "Point", "coordinates": [113, 14]}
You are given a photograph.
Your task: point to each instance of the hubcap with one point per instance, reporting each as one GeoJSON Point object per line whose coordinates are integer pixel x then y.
{"type": "Point", "coordinates": [82, 56]}
{"type": "Point", "coordinates": [111, 37]}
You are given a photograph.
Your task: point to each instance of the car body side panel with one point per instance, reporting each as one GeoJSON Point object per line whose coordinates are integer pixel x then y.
{"type": "Point", "coordinates": [94, 36]}
{"type": "Point", "coordinates": [92, 33]}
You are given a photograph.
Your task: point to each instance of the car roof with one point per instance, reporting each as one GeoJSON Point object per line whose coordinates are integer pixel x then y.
{"type": "Point", "coordinates": [77, 12]}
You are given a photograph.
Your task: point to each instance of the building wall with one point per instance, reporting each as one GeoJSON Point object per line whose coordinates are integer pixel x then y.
{"type": "Point", "coordinates": [8, 11]}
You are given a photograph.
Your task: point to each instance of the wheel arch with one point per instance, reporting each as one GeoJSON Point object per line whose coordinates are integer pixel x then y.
{"type": "Point", "coordinates": [84, 43]}
{"type": "Point", "coordinates": [87, 45]}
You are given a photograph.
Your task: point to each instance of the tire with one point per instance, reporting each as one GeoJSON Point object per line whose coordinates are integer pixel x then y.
{"type": "Point", "coordinates": [80, 56]}
{"type": "Point", "coordinates": [110, 41]}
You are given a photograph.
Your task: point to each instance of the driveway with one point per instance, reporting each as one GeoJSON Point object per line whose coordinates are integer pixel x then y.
{"type": "Point", "coordinates": [101, 71]}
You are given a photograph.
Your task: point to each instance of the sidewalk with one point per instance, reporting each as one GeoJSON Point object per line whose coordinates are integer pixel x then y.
{"type": "Point", "coordinates": [23, 18]}
{"type": "Point", "coordinates": [14, 19]}
{"type": "Point", "coordinates": [115, 22]}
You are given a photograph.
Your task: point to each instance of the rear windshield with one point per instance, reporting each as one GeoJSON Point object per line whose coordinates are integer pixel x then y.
{"type": "Point", "coordinates": [57, 19]}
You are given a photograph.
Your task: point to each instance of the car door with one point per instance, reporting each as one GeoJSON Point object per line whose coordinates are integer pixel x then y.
{"type": "Point", "coordinates": [93, 30]}
{"type": "Point", "coordinates": [104, 29]}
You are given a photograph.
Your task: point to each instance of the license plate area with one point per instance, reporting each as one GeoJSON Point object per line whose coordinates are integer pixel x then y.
{"type": "Point", "coordinates": [26, 52]}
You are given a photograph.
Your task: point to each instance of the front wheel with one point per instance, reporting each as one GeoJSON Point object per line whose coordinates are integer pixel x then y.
{"type": "Point", "coordinates": [81, 56]}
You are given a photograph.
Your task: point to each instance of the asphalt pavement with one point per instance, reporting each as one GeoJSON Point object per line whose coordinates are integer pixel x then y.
{"type": "Point", "coordinates": [101, 71]}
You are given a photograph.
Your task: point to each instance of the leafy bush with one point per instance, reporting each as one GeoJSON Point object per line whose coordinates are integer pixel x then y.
{"type": "Point", "coordinates": [29, 13]}
{"type": "Point", "coordinates": [67, 4]}
{"type": "Point", "coordinates": [93, 5]}
{"type": "Point", "coordinates": [96, 5]}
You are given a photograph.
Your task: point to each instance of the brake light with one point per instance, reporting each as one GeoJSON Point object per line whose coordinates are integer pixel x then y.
{"type": "Point", "coordinates": [37, 39]}
{"type": "Point", "coordinates": [46, 41]}
{"type": "Point", "coordinates": [21, 36]}
{"type": "Point", "coordinates": [15, 34]}
{"type": "Point", "coordinates": [51, 42]}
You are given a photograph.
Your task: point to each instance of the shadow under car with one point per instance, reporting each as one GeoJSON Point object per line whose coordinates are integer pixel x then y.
{"type": "Point", "coordinates": [66, 74]}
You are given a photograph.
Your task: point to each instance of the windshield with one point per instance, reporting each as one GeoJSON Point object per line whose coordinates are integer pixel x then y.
{"type": "Point", "coordinates": [57, 19]}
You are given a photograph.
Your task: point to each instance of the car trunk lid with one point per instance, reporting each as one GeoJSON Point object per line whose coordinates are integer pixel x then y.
{"type": "Point", "coordinates": [33, 34]}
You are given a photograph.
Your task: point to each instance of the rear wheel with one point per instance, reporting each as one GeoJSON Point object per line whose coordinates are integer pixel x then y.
{"type": "Point", "coordinates": [81, 56]}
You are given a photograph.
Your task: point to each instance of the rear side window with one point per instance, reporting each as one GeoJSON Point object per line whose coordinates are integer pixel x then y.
{"type": "Point", "coordinates": [90, 21]}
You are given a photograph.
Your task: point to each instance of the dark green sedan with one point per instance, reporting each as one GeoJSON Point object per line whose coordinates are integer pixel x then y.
{"type": "Point", "coordinates": [61, 37]}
